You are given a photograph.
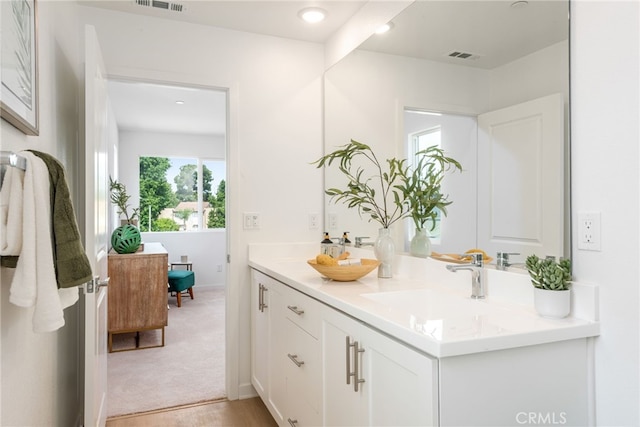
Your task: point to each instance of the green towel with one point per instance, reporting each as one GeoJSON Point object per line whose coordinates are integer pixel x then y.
{"type": "Point", "coordinates": [71, 262]}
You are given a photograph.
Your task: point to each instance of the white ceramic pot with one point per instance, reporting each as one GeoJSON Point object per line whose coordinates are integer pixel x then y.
{"type": "Point", "coordinates": [385, 250]}
{"type": "Point", "coordinates": [556, 304]}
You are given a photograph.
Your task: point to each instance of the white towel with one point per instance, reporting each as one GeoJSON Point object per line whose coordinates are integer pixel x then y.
{"type": "Point", "coordinates": [11, 212]}
{"type": "Point", "coordinates": [34, 282]}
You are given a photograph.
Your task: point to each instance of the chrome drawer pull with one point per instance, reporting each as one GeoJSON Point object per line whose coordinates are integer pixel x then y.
{"type": "Point", "coordinates": [356, 366]}
{"type": "Point", "coordinates": [348, 355]}
{"type": "Point", "coordinates": [292, 423]}
{"type": "Point", "coordinates": [294, 359]}
{"type": "Point", "coordinates": [294, 308]}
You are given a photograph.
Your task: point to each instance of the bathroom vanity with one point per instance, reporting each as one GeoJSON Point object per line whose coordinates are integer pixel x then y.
{"type": "Point", "coordinates": [414, 349]}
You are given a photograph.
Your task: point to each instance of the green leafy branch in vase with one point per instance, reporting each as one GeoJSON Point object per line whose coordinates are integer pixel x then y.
{"type": "Point", "coordinates": [375, 194]}
{"type": "Point", "coordinates": [421, 185]}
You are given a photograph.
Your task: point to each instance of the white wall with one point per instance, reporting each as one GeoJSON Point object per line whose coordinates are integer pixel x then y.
{"type": "Point", "coordinates": [205, 249]}
{"type": "Point", "coordinates": [275, 131]}
{"type": "Point", "coordinates": [39, 373]}
{"type": "Point", "coordinates": [605, 140]}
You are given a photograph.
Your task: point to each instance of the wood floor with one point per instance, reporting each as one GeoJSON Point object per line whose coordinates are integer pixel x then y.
{"type": "Point", "coordinates": [247, 412]}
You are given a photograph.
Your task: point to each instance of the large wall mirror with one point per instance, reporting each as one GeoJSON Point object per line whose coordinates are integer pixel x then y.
{"type": "Point", "coordinates": [494, 76]}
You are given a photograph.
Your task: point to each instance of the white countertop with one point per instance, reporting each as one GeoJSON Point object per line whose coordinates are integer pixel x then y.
{"type": "Point", "coordinates": [429, 308]}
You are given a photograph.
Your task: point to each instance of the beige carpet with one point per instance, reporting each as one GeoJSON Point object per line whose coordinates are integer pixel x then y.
{"type": "Point", "coordinates": [189, 368]}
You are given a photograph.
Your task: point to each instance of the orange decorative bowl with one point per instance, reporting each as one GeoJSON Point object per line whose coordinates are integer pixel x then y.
{"type": "Point", "coordinates": [345, 273]}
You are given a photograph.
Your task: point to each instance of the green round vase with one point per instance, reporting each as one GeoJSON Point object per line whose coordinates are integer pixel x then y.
{"type": "Point", "coordinates": [126, 239]}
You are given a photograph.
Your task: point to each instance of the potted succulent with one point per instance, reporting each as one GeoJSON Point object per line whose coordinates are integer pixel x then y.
{"type": "Point", "coordinates": [372, 191]}
{"type": "Point", "coordinates": [421, 189]}
{"type": "Point", "coordinates": [126, 238]}
{"type": "Point", "coordinates": [551, 280]}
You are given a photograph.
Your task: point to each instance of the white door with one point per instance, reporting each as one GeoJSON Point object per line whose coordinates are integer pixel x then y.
{"type": "Point", "coordinates": [521, 178]}
{"type": "Point", "coordinates": [96, 232]}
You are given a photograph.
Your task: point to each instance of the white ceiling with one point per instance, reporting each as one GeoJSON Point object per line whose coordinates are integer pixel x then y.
{"type": "Point", "coordinates": [494, 30]}
{"type": "Point", "coordinates": [274, 18]}
{"type": "Point", "coordinates": [152, 107]}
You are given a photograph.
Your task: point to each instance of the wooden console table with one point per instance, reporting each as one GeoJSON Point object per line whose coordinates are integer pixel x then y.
{"type": "Point", "coordinates": [138, 292]}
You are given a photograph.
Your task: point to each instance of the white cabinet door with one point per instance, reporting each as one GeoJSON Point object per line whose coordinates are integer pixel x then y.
{"type": "Point", "coordinates": [259, 335]}
{"type": "Point", "coordinates": [267, 319]}
{"type": "Point", "coordinates": [277, 339]}
{"type": "Point", "coordinates": [396, 385]}
{"type": "Point", "coordinates": [402, 384]}
{"type": "Point", "coordinates": [342, 404]}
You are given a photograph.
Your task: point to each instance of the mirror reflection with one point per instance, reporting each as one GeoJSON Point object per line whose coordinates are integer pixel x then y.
{"type": "Point", "coordinates": [494, 77]}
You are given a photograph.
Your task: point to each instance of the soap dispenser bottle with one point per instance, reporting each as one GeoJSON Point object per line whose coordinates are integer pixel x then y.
{"type": "Point", "coordinates": [325, 244]}
{"type": "Point", "coordinates": [345, 238]}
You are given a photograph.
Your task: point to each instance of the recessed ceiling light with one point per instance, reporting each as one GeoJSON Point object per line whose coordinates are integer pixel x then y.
{"type": "Point", "coordinates": [519, 4]}
{"type": "Point", "coordinates": [179, 102]}
{"type": "Point", "coordinates": [384, 28]}
{"type": "Point", "coordinates": [312, 15]}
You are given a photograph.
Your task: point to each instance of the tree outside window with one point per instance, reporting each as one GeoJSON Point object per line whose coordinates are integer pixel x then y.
{"type": "Point", "coordinates": [169, 194]}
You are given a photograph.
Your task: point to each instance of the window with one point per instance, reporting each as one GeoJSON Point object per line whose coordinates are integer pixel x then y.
{"type": "Point", "coordinates": [420, 141]}
{"type": "Point", "coordinates": [181, 194]}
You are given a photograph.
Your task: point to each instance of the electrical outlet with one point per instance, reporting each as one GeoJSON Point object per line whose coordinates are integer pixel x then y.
{"type": "Point", "coordinates": [333, 221]}
{"type": "Point", "coordinates": [589, 231]}
{"type": "Point", "coordinates": [314, 221]}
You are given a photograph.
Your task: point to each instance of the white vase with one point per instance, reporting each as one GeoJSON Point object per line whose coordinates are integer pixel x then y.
{"type": "Point", "coordinates": [556, 304]}
{"type": "Point", "coordinates": [384, 250]}
{"type": "Point", "coordinates": [420, 244]}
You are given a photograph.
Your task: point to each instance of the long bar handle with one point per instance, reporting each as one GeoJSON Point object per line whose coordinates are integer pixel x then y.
{"type": "Point", "coordinates": [261, 304]}
{"type": "Point", "coordinates": [292, 423]}
{"type": "Point", "coordinates": [295, 309]}
{"type": "Point", "coordinates": [348, 347]}
{"type": "Point", "coordinates": [356, 366]}
{"type": "Point", "coordinates": [294, 359]}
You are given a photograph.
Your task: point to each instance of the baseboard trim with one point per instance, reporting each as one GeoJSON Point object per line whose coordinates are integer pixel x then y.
{"type": "Point", "coordinates": [246, 391]}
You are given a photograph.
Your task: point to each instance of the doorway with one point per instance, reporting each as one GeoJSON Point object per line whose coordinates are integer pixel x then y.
{"type": "Point", "coordinates": [185, 125]}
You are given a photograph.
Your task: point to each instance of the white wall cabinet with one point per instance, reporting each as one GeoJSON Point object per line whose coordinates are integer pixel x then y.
{"type": "Point", "coordinates": [371, 379]}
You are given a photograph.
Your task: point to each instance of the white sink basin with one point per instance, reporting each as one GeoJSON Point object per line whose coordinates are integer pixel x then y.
{"type": "Point", "coordinates": [430, 305]}
{"type": "Point", "coordinates": [441, 315]}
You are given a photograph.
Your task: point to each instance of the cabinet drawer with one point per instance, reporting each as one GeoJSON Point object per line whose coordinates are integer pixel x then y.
{"type": "Point", "coordinates": [303, 311]}
{"type": "Point", "coordinates": [303, 367]}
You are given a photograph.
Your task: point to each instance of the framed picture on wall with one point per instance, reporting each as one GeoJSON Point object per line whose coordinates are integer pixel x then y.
{"type": "Point", "coordinates": [19, 73]}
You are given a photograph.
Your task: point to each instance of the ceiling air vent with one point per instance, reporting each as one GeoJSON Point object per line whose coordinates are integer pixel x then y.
{"type": "Point", "coordinates": [462, 55]}
{"type": "Point", "coordinates": [159, 4]}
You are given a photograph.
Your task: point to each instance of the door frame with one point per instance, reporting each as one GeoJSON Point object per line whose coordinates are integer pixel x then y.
{"type": "Point", "coordinates": [232, 295]}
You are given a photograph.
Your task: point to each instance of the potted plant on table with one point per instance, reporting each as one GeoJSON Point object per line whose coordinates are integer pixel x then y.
{"type": "Point", "coordinates": [551, 280]}
{"type": "Point", "coordinates": [372, 191]}
{"type": "Point", "coordinates": [126, 238]}
{"type": "Point", "coordinates": [421, 189]}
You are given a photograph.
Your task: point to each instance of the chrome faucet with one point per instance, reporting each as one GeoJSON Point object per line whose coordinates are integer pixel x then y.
{"type": "Point", "coordinates": [502, 260]}
{"type": "Point", "coordinates": [477, 271]}
{"type": "Point", "coordinates": [360, 243]}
